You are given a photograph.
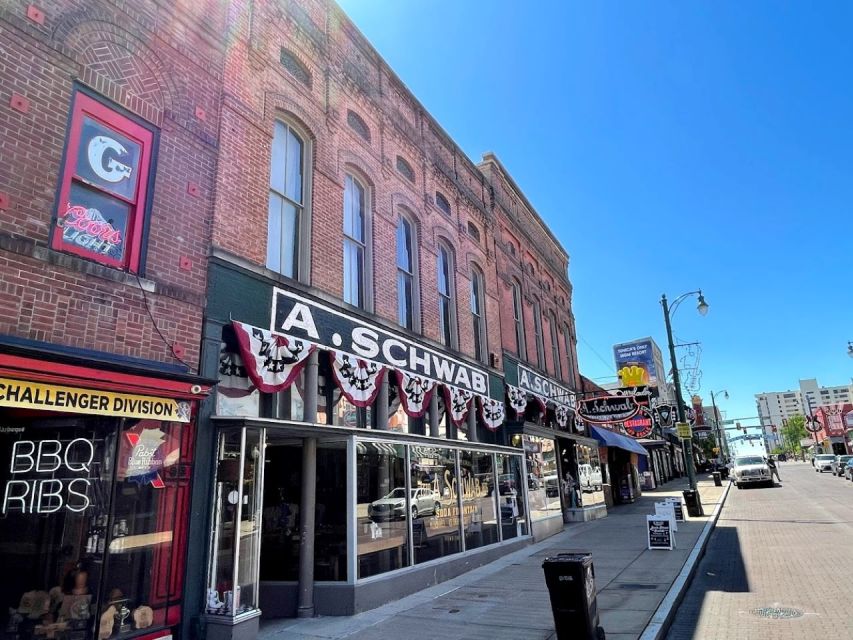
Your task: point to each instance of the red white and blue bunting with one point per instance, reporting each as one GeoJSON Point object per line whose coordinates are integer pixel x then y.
{"type": "Point", "coordinates": [359, 380]}
{"type": "Point", "coordinates": [517, 398]}
{"type": "Point", "coordinates": [458, 403]}
{"type": "Point", "coordinates": [415, 393]}
{"type": "Point", "coordinates": [561, 414]}
{"type": "Point", "coordinates": [271, 361]}
{"type": "Point", "coordinates": [542, 401]}
{"type": "Point", "coordinates": [492, 412]}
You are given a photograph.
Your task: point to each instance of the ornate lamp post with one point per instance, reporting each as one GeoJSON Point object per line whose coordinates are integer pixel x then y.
{"type": "Point", "coordinates": [721, 438]}
{"type": "Point", "coordinates": [668, 311]}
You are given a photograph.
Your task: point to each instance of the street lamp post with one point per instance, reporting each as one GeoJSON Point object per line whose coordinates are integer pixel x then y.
{"type": "Point", "coordinates": [850, 348]}
{"type": "Point", "coordinates": [676, 380]}
{"type": "Point", "coordinates": [724, 447]}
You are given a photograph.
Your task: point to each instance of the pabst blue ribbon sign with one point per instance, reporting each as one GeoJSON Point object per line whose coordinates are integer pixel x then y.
{"type": "Point", "coordinates": [296, 316]}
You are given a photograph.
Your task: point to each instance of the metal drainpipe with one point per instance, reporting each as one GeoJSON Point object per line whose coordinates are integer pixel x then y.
{"type": "Point", "coordinates": [305, 607]}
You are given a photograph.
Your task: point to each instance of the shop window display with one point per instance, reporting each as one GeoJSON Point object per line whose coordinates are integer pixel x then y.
{"type": "Point", "coordinates": [436, 522]}
{"type": "Point", "coordinates": [512, 509]}
{"type": "Point", "coordinates": [93, 526]}
{"type": "Point", "coordinates": [590, 480]}
{"type": "Point", "coordinates": [383, 507]}
{"type": "Point", "coordinates": [479, 504]}
{"type": "Point", "coordinates": [542, 477]}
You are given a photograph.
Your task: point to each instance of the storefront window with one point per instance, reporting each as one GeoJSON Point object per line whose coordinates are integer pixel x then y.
{"type": "Point", "coordinates": [512, 509]}
{"type": "Point", "coordinates": [236, 541]}
{"type": "Point", "coordinates": [477, 485]}
{"type": "Point", "coordinates": [93, 525]}
{"type": "Point", "coordinates": [435, 519]}
{"type": "Point", "coordinates": [383, 507]}
{"type": "Point", "coordinates": [542, 478]}
{"type": "Point", "coordinates": [589, 483]}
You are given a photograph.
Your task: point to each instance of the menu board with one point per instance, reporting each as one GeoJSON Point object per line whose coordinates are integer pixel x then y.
{"type": "Point", "coordinates": [666, 510]}
{"type": "Point", "coordinates": [659, 532]}
{"type": "Point", "coordinates": [678, 505]}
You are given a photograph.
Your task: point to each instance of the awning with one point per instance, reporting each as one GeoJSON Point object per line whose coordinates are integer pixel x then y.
{"type": "Point", "coordinates": [610, 439]}
{"type": "Point", "coordinates": [647, 442]}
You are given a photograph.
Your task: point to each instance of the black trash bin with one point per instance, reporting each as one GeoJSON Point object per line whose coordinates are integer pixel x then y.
{"type": "Point", "coordinates": [571, 584]}
{"type": "Point", "coordinates": [718, 479]}
{"type": "Point", "coordinates": [693, 502]}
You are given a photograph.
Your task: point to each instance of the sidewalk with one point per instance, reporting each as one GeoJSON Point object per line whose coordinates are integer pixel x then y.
{"type": "Point", "coordinates": [507, 599]}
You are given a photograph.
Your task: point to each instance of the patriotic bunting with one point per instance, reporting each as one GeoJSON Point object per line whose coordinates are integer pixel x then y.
{"type": "Point", "coordinates": [458, 403]}
{"type": "Point", "coordinates": [517, 398]}
{"type": "Point", "coordinates": [492, 412]}
{"type": "Point", "coordinates": [415, 393]}
{"type": "Point", "coordinates": [561, 413]}
{"type": "Point", "coordinates": [271, 361]}
{"type": "Point", "coordinates": [359, 380]}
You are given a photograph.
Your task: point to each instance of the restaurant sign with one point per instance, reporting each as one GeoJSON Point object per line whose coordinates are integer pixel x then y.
{"type": "Point", "coordinates": [298, 317]}
{"type": "Point", "coordinates": [51, 397]}
{"type": "Point", "coordinates": [608, 409]}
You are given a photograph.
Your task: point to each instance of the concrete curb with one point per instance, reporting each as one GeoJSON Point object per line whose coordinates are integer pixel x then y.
{"type": "Point", "coordinates": [662, 619]}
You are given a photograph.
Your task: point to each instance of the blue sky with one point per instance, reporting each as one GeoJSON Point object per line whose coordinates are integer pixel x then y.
{"type": "Point", "coordinates": [671, 146]}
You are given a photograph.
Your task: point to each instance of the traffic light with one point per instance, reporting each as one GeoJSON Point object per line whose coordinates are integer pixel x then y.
{"type": "Point", "coordinates": [773, 427]}
{"type": "Point", "coordinates": [739, 428]}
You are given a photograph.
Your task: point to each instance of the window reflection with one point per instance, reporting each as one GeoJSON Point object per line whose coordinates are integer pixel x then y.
{"type": "Point", "coordinates": [435, 517]}
{"type": "Point", "coordinates": [513, 511]}
{"type": "Point", "coordinates": [382, 508]}
{"type": "Point", "coordinates": [479, 515]}
{"type": "Point", "coordinates": [542, 478]}
{"type": "Point", "coordinates": [589, 481]}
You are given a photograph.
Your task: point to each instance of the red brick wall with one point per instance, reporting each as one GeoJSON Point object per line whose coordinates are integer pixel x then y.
{"type": "Point", "coordinates": [162, 62]}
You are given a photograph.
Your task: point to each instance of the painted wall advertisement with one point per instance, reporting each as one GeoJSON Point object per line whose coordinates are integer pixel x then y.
{"type": "Point", "coordinates": [638, 362]}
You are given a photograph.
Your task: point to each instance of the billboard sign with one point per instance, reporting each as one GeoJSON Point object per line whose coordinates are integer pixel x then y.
{"type": "Point", "coordinates": [636, 363]}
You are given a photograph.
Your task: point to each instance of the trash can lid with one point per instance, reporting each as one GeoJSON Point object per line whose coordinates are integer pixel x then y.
{"type": "Point", "coordinates": [582, 556]}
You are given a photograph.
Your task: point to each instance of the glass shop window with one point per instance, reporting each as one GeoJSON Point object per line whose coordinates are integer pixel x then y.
{"type": "Point", "coordinates": [235, 393]}
{"type": "Point", "coordinates": [435, 514]}
{"type": "Point", "coordinates": [590, 478]}
{"type": "Point", "coordinates": [543, 481]}
{"type": "Point", "coordinates": [233, 575]}
{"type": "Point", "coordinates": [383, 507]}
{"type": "Point", "coordinates": [282, 507]}
{"type": "Point", "coordinates": [93, 526]}
{"type": "Point", "coordinates": [513, 511]}
{"type": "Point", "coordinates": [479, 505]}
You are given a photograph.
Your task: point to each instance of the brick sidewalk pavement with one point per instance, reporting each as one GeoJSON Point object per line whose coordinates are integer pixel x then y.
{"type": "Point", "coordinates": [507, 599]}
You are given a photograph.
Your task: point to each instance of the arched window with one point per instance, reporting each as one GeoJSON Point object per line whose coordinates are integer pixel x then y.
{"type": "Point", "coordinates": [474, 232]}
{"type": "Point", "coordinates": [555, 345]}
{"type": "Point", "coordinates": [406, 274]}
{"type": "Point", "coordinates": [567, 339]}
{"type": "Point", "coordinates": [442, 203]}
{"type": "Point", "coordinates": [355, 242]}
{"type": "Point", "coordinates": [478, 314]}
{"type": "Point", "coordinates": [405, 169]}
{"type": "Point", "coordinates": [446, 288]}
{"type": "Point", "coordinates": [537, 332]}
{"type": "Point", "coordinates": [295, 67]}
{"type": "Point", "coordinates": [518, 320]}
{"type": "Point", "coordinates": [286, 224]}
{"type": "Point", "coordinates": [357, 124]}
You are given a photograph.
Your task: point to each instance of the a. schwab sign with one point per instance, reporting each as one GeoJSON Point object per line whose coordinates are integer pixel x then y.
{"type": "Point", "coordinates": [299, 317]}
{"type": "Point", "coordinates": [531, 381]}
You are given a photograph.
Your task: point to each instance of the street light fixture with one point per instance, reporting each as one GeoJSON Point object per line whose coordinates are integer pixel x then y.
{"type": "Point", "coordinates": [850, 349]}
{"type": "Point", "coordinates": [668, 311]}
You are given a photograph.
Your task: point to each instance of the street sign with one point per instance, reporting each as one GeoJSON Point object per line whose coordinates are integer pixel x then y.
{"type": "Point", "coordinates": [725, 422]}
{"type": "Point", "coordinates": [683, 430]}
{"type": "Point", "coordinates": [659, 532]}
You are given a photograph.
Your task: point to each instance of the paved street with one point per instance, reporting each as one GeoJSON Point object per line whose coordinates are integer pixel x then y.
{"type": "Point", "coordinates": [787, 547]}
{"type": "Point", "coordinates": [508, 598]}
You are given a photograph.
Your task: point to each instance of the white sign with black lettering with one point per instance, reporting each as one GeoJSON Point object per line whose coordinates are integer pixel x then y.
{"type": "Point", "coordinates": [666, 510]}
{"type": "Point", "coordinates": [660, 533]}
{"type": "Point", "coordinates": [678, 506]}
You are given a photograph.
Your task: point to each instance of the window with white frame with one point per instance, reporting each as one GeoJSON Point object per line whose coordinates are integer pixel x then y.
{"type": "Point", "coordinates": [286, 200]}
{"type": "Point", "coordinates": [555, 345]}
{"type": "Point", "coordinates": [518, 320]}
{"type": "Point", "coordinates": [406, 286]}
{"type": "Point", "coordinates": [446, 312]}
{"type": "Point", "coordinates": [537, 331]}
{"type": "Point", "coordinates": [478, 314]}
{"type": "Point", "coordinates": [355, 242]}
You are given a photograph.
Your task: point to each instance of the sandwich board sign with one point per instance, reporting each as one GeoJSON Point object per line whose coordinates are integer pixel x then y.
{"type": "Point", "coordinates": [678, 506]}
{"type": "Point", "coordinates": [659, 529]}
{"type": "Point", "coordinates": [666, 510]}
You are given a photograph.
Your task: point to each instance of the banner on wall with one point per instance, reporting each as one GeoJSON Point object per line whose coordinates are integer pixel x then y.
{"type": "Point", "coordinates": [271, 361]}
{"type": "Point", "coordinates": [359, 380]}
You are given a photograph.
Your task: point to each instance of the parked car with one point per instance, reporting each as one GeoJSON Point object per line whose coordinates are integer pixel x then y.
{"type": "Point", "coordinates": [751, 470]}
{"type": "Point", "coordinates": [848, 469]}
{"type": "Point", "coordinates": [838, 465]}
{"type": "Point", "coordinates": [589, 477]}
{"type": "Point", "coordinates": [823, 462]}
{"type": "Point", "coordinates": [393, 505]}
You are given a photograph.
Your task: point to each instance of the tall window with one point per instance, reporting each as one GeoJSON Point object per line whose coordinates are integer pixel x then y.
{"type": "Point", "coordinates": [518, 319]}
{"type": "Point", "coordinates": [405, 274]}
{"type": "Point", "coordinates": [445, 296]}
{"type": "Point", "coordinates": [286, 206]}
{"type": "Point", "coordinates": [537, 330]}
{"type": "Point", "coordinates": [567, 337]}
{"type": "Point", "coordinates": [355, 244]}
{"type": "Point", "coordinates": [555, 346]}
{"type": "Point", "coordinates": [477, 314]}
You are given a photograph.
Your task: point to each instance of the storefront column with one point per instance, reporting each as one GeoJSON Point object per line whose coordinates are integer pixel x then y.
{"type": "Point", "coordinates": [472, 423]}
{"type": "Point", "coordinates": [382, 405]}
{"type": "Point", "coordinates": [305, 607]}
{"type": "Point", "coordinates": [433, 415]}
